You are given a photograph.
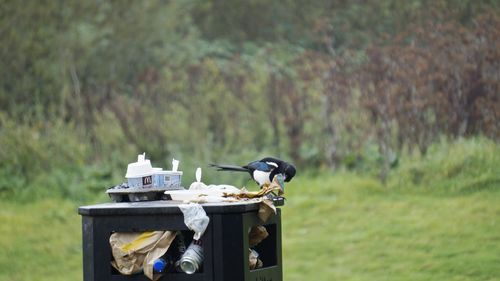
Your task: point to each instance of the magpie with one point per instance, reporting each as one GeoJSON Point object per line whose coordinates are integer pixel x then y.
{"type": "Point", "coordinates": [262, 171]}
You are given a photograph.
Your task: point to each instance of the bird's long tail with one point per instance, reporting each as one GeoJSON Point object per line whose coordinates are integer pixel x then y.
{"type": "Point", "coordinates": [232, 168]}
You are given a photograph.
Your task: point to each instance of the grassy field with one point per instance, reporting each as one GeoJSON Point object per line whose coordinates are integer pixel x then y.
{"type": "Point", "coordinates": [438, 218]}
{"type": "Point", "coordinates": [40, 241]}
{"type": "Point", "coordinates": [335, 228]}
{"type": "Point", "coordinates": [343, 228]}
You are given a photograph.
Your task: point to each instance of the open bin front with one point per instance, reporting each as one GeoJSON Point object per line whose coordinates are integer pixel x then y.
{"type": "Point", "coordinates": [234, 231]}
{"type": "Point", "coordinates": [269, 249]}
{"type": "Point", "coordinates": [97, 255]}
{"type": "Point", "coordinates": [102, 269]}
{"type": "Point", "coordinates": [143, 246]}
{"type": "Point", "coordinates": [225, 242]}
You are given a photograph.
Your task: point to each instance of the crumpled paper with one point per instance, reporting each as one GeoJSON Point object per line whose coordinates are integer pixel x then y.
{"type": "Point", "coordinates": [266, 207]}
{"type": "Point", "coordinates": [266, 189]}
{"type": "Point", "coordinates": [134, 252]}
{"type": "Point", "coordinates": [195, 218]}
{"type": "Point", "coordinates": [256, 235]}
{"type": "Point", "coordinates": [157, 252]}
{"type": "Point", "coordinates": [253, 260]}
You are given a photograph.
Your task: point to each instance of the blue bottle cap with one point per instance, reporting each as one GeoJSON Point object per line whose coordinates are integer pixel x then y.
{"type": "Point", "coordinates": [159, 265]}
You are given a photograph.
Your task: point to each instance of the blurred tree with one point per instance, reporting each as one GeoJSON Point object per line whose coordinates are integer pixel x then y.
{"type": "Point", "coordinates": [315, 81]}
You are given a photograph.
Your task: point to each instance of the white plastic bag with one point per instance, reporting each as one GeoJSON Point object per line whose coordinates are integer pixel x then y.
{"type": "Point", "coordinates": [198, 185]}
{"type": "Point", "coordinates": [195, 218]}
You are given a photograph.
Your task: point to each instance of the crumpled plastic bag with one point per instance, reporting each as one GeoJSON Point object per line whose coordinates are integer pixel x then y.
{"type": "Point", "coordinates": [198, 185]}
{"type": "Point", "coordinates": [217, 189]}
{"type": "Point", "coordinates": [195, 218]}
{"type": "Point", "coordinates": [132, 251]}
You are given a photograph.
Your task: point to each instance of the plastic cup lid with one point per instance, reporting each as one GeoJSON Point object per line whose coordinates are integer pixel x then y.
{"type": "Point", "coordinates": [139, 169]}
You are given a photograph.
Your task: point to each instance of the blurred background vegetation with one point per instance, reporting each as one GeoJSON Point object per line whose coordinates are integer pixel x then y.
{"type": "Point", "coordinates": [87, 85]}
{"type": "Point", "coordinates": [389, 96]}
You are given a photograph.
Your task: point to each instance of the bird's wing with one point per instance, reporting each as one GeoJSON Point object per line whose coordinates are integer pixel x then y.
{"type": "Point", "coordinates": [260, 166]}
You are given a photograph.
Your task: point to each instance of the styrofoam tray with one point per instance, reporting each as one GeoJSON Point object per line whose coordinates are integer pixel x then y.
{"type": "Point", "coordinates": [186, 195]}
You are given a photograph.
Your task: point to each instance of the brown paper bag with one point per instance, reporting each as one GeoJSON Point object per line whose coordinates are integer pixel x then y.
{"type": "Point", "coordinates": [134, 252]}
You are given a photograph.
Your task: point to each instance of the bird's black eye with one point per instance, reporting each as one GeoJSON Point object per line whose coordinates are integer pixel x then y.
{"type": "Point", "coordinates": [289, 172]}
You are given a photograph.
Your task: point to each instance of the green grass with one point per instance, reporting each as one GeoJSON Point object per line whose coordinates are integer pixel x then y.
{"type": "Point", "coordinates": [334, 228]}
{"type": "Point", "coordinates": [437, 219]}
{"type": "Point", "coordinates": [460, 167]}
{"type": "Point", "coordinates": [347, 228]}
{"type": "Point", "coordinates": [40, 241]}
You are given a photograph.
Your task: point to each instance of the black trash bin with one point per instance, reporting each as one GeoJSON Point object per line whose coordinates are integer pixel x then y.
{"type": "Point", "coordinates": [225, 242]}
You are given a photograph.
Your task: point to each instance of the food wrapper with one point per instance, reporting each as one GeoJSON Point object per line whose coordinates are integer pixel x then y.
{"type": "Point", "coordinates": [266, 209]}
{"type": "Point", "coordinates": [256, 235]}
{"type": "Point", "coordinates": [157, 252]}
{"type": "Point", "coordinates": [266, 189]}
{"type": "Point", "coordinates": [253, 260]}
{"type": "Point", "coordinates": [133, 251]}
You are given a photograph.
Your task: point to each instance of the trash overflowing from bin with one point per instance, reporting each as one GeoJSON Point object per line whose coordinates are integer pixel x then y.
{"type": "Point", "coordinates": [255, 236]}
{"type": "Point", "coordinates": [145, 183]}
{"type": "Point", "coordinates": [132, 252]}
{"type": "Point", "coordinates": [192, 260]}
{"type": "Point", "coordinates": [156, 253]}
{"type": "Point", "coordinates": [253, 260]}
{"type": "Point", "coordinates": [195, 218]}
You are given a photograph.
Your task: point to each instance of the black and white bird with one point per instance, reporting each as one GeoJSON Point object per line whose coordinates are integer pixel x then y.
{"type": "Point", "coordinates": [262, 171]}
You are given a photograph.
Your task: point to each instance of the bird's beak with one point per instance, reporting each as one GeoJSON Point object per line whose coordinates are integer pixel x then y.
{"type": "Point", "coordinates": [281, 180]}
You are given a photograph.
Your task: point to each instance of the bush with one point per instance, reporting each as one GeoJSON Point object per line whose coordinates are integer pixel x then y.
{"type": "Point", "coordinates": [43, 159]}
{"type": "Point", "coordinates": [462, 166]}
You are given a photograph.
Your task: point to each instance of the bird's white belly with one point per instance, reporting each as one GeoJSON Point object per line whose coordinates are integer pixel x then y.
{"type": "Point", "coordinates": [261, 177]}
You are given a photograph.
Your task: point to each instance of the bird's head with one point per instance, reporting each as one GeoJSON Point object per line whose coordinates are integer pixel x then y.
{"type": "Point", "coordinates": [289, 171]}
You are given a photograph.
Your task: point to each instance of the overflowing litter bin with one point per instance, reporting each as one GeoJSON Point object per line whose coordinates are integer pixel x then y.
{"type": "Point", "coordinates": [226, 242]}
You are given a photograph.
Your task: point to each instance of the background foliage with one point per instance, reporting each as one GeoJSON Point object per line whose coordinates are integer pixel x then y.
{"type": "Point", "coordinates": [331, 84]}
